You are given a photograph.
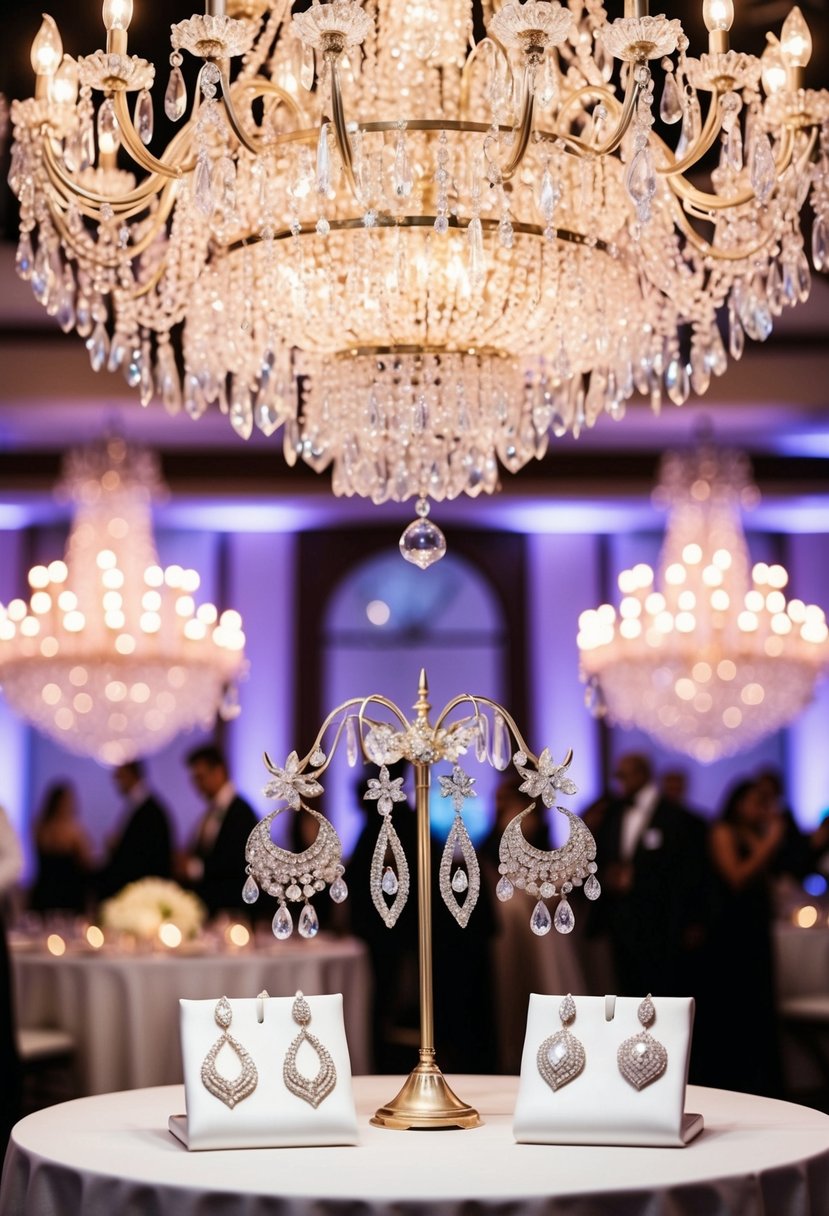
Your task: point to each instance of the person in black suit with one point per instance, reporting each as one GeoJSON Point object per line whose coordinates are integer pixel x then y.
{"type": "Point", "coordinates": [142, 846]}
{"type": "Point", "coordinates": [652, 860]}
{"type": "Point", "coordinates": [215, 864]}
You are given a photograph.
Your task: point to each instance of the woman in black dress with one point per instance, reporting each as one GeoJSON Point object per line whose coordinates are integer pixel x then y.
{"type": "Point", "coordinates": [64, 856]}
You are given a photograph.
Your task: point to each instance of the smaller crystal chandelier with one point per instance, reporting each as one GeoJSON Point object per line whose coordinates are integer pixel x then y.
{"type": "Point", "coordinates": [710, 656]}
{"type": "Point", "coordinates": [110, 656]}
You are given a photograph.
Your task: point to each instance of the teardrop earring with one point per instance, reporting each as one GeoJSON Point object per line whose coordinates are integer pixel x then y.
{"type": "Point", "coordinates": [231, 1091]}
{"type": "Point", "coordinates": [458, 787]}
{"type": "Point", "coordinates": [642, 1059]}
{"type": "Point", "coordinates": [312, 1090]}
{"type": "Point", "coordinates": [561, 1057]}
{"type": "Point", "coordinates": [385, 880]}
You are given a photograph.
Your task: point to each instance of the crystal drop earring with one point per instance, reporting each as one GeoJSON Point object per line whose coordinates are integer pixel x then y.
{"type": "Point", "coordinates": [642, 1059]}
{"type": "Point", "coordinates": [458, 787]}
{"type": "Point", "coordinates": [233, 1090]}
{"type": "Point", "coordinates": [561, 1057]}
{"type": "Point", "coordinates": [383, 879]}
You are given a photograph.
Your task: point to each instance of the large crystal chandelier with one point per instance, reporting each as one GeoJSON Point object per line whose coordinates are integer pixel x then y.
{"type": "Point", "coordinates": [455, 247]}
{"type": "Point", "coordinates": [708, 657]}
{"type": "Point", "coordinates": [110, 655]}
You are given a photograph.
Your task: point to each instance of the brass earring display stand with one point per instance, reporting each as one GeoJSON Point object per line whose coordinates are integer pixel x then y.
{"type": "Point", "coordinates": [426, 1100]}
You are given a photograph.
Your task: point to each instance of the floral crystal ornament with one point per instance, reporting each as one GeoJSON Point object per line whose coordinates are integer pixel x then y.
{"type": "Point", "coordinates": [460, 248]}
{"type": "Point", "coordinates": [705, 654]}
{"type": "Point", "coordinates": [379, 732]}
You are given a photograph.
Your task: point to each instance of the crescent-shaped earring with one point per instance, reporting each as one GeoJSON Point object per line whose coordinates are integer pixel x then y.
{"type": "Point", "coordinates": [547, 873]}
{"type": "Point", "coordinates": [294, 877]}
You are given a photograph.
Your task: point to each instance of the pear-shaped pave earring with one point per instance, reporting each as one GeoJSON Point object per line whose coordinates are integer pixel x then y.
{"type": "Point", "coordinates": [642, 1059]}
{"type": "Point", "coordinates": [561, 1057]}
{"type": "Point", "coordinates": [233, 1090]}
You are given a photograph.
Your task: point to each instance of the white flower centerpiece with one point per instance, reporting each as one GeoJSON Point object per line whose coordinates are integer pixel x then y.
{"type": "Point", "coordinates": [141, 908]}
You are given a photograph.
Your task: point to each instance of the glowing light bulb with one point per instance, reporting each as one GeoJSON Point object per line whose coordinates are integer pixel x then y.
{"type": "Point", "coordinates": [47, 48]}
{"type": "Point", "coordinates": [64, 87]}
{"type": "Point", "coordinates": [795, 40]}
{"type": "Point", "coordinates": [718, 14]}
{"type": "Point", "coordinates": [117, 14]}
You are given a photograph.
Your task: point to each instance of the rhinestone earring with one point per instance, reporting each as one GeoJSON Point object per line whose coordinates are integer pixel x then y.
{"type": "Point", "coordinates": [561, 1057]}
{"type": "Point", "coordinates": [642, 1059]}
{"type": "Point", "coordinates": [231, 1091]}
{"type": "Point", "coordinates": [294, 876]}
{"type": "Point", "coordinates": [385, 879]}
{"type": "Point", "coordinates": [312, 1090]}
{"type": "Point", "coordinates": [458, 787]}
{"type": "Point", "coordinates": [546, 874]}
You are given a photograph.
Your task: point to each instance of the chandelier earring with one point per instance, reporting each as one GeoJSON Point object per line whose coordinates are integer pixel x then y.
{"type": "Point", "coordinates": [387, 880]}
{"type": "Point", "coordinates": [316, 1089]}
{"type": "Point", "coordinates": [458, 787]}
{"type": "Point", "coordinates": [294, 877]}
{"type": "Point", "coordinates": [230, 1090]}
{"type": "Point", "coordinates": [642, 1059]}
{"type": "Point", "coordinates": [561, 1057]}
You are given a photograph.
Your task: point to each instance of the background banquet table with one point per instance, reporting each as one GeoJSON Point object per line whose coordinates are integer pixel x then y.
{"type": "Point", "coordinates": [113, 1153]}
{"type": "Point", "coordinates": [122, 1008]}
{"type": "Point", "coordinates": [802, 960]}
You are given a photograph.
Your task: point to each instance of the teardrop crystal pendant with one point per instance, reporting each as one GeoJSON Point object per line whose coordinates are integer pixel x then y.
{"type": "Point", "coordinates": [389, 884]}
{"type": "Point", "coordinates": [564, 920]}
{"type": "Point", "coordinates": [422, 542]}
{"type": "Point", "coordinates": [175, 97]}
{"type": "Point", "coordinates": [670, 105]}
{"type": "Point", "coordinates": [592, 887]}
{"type": "Point", "coordinates": [505, 890]}
{"type": "Point", "coordinates": [338, 890]}
{"type": "Point", "coordinates": [309, 925]}
{"type": "Point", "coordinates": [459, 881]}
{"type": "Point", "coordinates": [540, 921]}
{"type": "Point", "coordinates": [282, 924]}
{"type": "Point", "coordinates": [143, 117]}
{"type": "Point", "coordinates": [250, 891]}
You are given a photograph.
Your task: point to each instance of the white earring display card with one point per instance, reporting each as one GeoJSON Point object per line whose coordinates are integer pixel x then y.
{"type": "Point", "coordinates": [622, 1081]}
{"type": "Point", "coordinates": [265, 1072]}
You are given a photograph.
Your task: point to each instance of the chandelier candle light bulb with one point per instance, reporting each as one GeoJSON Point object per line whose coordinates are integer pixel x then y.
{"type": "Point", "coordinates": [372, 234]}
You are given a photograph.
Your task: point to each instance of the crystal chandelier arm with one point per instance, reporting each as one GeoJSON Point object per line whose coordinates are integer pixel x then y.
{"type": "Point", "coordinates": [524, 129]}
{"type": "Point", "coordinates": [625, 117]}
{"type": "Point", "coordinates": [122, 203]}
{"type": "Point", "coordinates": [707, 136]}
{"type": "Point", "coordinates": [475, 701]}
{"type": "Point", "coordinates": [361, 704]}
{"type": "Point", "coordinates": [255, 144]}
{"type": "Point", "coordinates": [133, 144]}
{"type": "Point", "coordinates": [705, 248]}
{"type": "Point", "coordinates": [341, 128]}
{"type": "Point", "coordinates": [466, 70]}
{"type": "Point", "coordinates": [704, 200]}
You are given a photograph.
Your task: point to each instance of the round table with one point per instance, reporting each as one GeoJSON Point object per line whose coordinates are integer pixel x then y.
{"type": "Point", "coordinates": [113, 1153]}
{"type": "Point", "coordinates": [122, 1009]}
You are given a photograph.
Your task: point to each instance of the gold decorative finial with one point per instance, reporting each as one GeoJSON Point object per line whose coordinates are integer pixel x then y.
{"type": "Point", "coordinates": [422, 705]}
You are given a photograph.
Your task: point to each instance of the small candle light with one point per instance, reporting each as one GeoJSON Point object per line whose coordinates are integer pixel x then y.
{"type": "Point", "coordinates": [95, 937]}
{"type": "Point", "coordinates": [806, 917]}
{"type": "Point", "coordinates": [170, 934]}
{"type": "Point", "coordinates": [238, 935]}
{"type": "Point", "coordinates": [55, 944]}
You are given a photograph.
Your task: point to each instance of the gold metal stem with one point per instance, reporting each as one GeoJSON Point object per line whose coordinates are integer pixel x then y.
{"type": "Point", "coordinates": [132, 141]}
{"type": "Point", "coordinates": [524, 129]}
{"type": "Point", "coordinates": [341, 128]}
{"type": "Point", "coordinates": [426, 1100]}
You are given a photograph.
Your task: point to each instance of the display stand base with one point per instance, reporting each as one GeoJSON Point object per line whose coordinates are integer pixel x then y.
{"type": "Point", "coordinates": [426, 1101]}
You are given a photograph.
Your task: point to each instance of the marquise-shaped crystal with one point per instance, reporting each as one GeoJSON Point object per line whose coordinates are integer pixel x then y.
{"type": "Point", "coordinates": [307, 68]}
{"type": "Point", "coordinates": [98, 346]}
{"type": "Point", "coordinates": [734, 148]}
{"type": "Point", "coordinates": [763, 172]}
{"type": "Point", "coordinates": [241, 414]}
{"type": "Point", "coordinates": [819, 243]}
{"type": "Point", "coordinates": [640, 179]}
{"type": "Point", "coordinates": [564, 920]}
{"type": "Point", "coordinates": [540, 921]}
{"type": "Point", "coordinates": [677, 382]}
{"type": "Point", "coordinates": [352, 743]}
{"type": "Point", "coordinates": [24, 258]}
{"type": "Point", "coordinates": [323, 162]}
{"type": "Point", "coordinates": [475, 255]}
{"type": "Point", "coordinates": [144, 118]}
{"type": "Point", "coordinates": [203, 187]}
{"type": "Point", "coordinates": [309, 925]}
{"type": "Point", "coordinates": [482, 740]}
{"type": "Point", "coordinates": [402, 172]}
{"type": "Point", "coordinates": [547, 195]}
{"type": "Point", "coordinates": [175, 96]}
{"type": "Point", "coordinates": [109, 133]}
{"type": "Point", "coordinates": [282, 924]}
{"type": "Point", "coordinates": [250, 891]}
{"type": "Point", "coordinates": [500, 743]}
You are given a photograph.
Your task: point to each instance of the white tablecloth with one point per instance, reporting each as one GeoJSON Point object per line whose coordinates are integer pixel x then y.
{"type": "Point", "coordinates": [802, 961]}
{"type": "Point", "coordinates": [112, 1154]}
{"type": "Point", "coordinates": [122, 1009]}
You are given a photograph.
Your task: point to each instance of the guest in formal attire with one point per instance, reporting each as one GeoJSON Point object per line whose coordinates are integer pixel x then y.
{"type": "Point", "coordinates": [11, 863]}
{"type": "Point", "coordinates": [745, 844]}
{"type": "Point", "coordinates": [141, 846]}
{"type": "Point", "coordinates": [64, 854]}
{"type": "Point", "coordinates": [652, 860]}
{"type": "Point", "coordinates": [215, 864]}
{"type": "Point", "coordinates": [793, 859]}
